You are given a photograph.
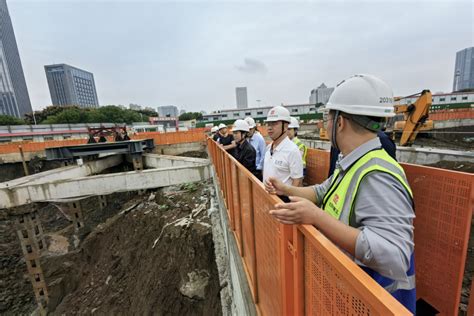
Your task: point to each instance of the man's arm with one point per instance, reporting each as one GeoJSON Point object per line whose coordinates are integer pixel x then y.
{"type": "Point", "coordinates": [303, 211]}
{"type": "Point", "coordinates": [297, 182]}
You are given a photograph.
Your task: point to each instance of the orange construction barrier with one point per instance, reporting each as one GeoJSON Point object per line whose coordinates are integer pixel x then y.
{"type": "Point", "coordinates": [292, 269]}
{"type": "Point", "coordinates": [444, 202]}
{"type": "Point", "coordinates": [455, 114]}
{"type": "Point", "coordinates": [159, 139]}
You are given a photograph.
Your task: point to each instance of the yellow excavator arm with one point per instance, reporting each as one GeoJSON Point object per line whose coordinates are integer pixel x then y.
{"type": "Point", "coordinates": [416, 115]}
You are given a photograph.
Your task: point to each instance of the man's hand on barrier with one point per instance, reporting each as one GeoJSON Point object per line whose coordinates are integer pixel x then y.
{"type": "Point", "coordinates": [275, 186]}
{"type": "Point", "coordinates": [298, 211]}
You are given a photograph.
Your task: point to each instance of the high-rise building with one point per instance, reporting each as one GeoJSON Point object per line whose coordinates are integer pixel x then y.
{"type": "Point", "coordinates": [464, 70]}
{"type": "Point", "coordinates": [241, 95]}
{"type": "Point", "coordinates": [168, 111]}
{"type": "Point", "coordinates": [69, 85]}
{"type": "Point", "coordinates": [14, 98]}
{"type": "Point", "coordinates": [320, 95]}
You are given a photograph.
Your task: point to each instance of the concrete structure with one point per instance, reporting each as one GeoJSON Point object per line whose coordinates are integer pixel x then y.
{"type": "Point", "coordinates": [236, 296]}
{"type": "Point", "coordinates": [320, 95]}
{"type": "Point", "coordinates": [168, 111]}
{"type": "Point", "coordinates": [69, 85]}
{"type": "Point", "coordinates": [14, 98]}
{"type": "Point", "coordinates": [464, 70]}
{"type": "Point", "coordinates": [257, 113]}
{"type": "Point", "coordinates": [241, 96]}
{"type": "Point", "coordinates": [75, 188]}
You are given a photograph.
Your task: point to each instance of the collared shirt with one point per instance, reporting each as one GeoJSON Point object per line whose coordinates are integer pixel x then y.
{"type": "Point", "coordinates": [258, 142]}
{"type": "Point", "coordinates": [383, 213]}
{"type": "Point", "coordinates": [284, 163]}
{"type": "Point", "coordinates": [245, 154]}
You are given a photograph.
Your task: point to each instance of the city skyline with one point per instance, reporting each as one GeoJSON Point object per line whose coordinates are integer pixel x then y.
{"type": "Point", "coordinates": [14, 97]}
{"type": "Point", "coordinates": [194, 55]}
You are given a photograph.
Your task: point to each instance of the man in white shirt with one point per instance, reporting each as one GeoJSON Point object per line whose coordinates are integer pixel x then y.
{"type": "Point", "coordinates": [283, 159]}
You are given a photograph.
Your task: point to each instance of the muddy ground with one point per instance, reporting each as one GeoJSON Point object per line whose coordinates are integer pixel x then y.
{"type": "Point", "coordinates": [16, 293]}
{"type": "Point", "coordinates": [155, 257]}
{"type": "Point", "coordinates": [141, 254]}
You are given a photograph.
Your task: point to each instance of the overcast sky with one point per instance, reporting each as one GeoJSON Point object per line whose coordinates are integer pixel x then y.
{"type": "Point", "coordinates": [193, 54]}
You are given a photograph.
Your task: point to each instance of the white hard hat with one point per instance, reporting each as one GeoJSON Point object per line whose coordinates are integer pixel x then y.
{"type": "Point", "coordinates": [214, 129]}
{"type": "Point", "coordinates": [221, 126]}
{"type": "Point", "coordinates": [240, 125]}
{"type": "Point", "coordinates": [364, 95]}
{"type": "Point", "coordinates": [250, 121]}
{"type": "Point", "coordinates": [278, 113]}
{"type": "Point", "coordinates": [294, 123]}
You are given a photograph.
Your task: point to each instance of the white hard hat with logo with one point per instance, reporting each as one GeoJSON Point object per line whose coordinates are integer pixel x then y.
{"type": "Point", "coordinates": [250, 121]}
{"type": "Point", "coordinates": [221, 126]}
{"type": "Point", "coordinates": [240, 125]}
{"type": "Point", "coordinates": [278, 113]}
{"type": "Point", "coordinates": [214, 129]}
{"type": "Point", "coordinates": [364, 95]}
{"type": "Point", "coordinates": [294, 123]}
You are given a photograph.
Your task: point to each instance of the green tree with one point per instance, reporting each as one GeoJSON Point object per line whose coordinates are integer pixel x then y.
{"type": "Point", "coordinates": [190, 116]}
{"type": "Point", "coordinates": [10, 120]}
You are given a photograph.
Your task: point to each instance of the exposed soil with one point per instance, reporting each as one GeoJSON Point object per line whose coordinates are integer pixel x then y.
{"type": "Point", "coordinates": [16, 293]}
{"type": "Point", "coordinates": [464, 166]}
{"type": "Point", "coordinates": [155, 257]}
{"type": "Point", "coordinates": [12, 171]}
{"type": "Point", "coordinates": [194, 154]}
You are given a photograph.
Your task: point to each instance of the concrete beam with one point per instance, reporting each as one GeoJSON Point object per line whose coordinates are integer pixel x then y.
{"type": "Point", "coordinates": [177, 149]}
{"type": "Point", "coordinates": [427, 156]}
{"type": "Point", "coordinates": [69, 172]}
{"type": "Point", "coordinates": [165, 161]}
{"type": "Point", "coordinates": [64, 190]}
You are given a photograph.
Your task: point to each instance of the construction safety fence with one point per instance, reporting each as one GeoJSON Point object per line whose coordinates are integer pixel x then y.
{"type": "Point", "coordinates": [455, 114]}
{"type": "Point", "coordinates": [158, 138]}
{"type": "Point", "coordinates": [295, 270]}
{"type": "Point", "coordinates": [292, 269]}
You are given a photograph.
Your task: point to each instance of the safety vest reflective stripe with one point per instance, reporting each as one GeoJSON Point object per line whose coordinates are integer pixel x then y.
{"type": "Point", "coordinates": [302, 147]}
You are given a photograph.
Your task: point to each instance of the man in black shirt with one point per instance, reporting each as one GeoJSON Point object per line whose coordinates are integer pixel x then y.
{"type": "Point", "coordinates": [244, 151]}
{"type": "Point", "coordinates": [225, 139]}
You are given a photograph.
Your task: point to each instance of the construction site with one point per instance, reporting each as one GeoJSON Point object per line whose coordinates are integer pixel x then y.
{"type": "Point", "coordinates": [170, 223]}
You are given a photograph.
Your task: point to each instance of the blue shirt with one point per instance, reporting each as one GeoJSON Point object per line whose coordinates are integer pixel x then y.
{"type": "Point", "coordinates": [259, 144]}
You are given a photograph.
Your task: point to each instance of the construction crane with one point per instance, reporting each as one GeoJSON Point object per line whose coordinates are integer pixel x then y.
{"type": "Point", "coordinates": [415, 117]}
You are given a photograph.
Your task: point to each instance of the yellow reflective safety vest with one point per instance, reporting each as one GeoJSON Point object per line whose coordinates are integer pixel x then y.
{"type": "Point", "coordinates": [339, 203]}
{"type": "Point", "coordinates": [339, 199]}
{"type": "Point", "coordinates": [303, 149]}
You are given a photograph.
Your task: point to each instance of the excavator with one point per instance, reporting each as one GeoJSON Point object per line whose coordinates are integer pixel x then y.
{"type": "Point", "coordinates": [415, 119]}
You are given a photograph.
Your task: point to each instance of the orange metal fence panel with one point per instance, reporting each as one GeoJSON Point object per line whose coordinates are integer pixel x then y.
{"type": "Point", "coordinates": [444, 202]}
{"type": "Point", "coordinates": [317, 166]}
{"type": "Point", "coordinates": [334, 285]}
{"type": "Point", "coordinates": [281, 259]}
{"type": "Point", "coordinates": [452, 114]}
{"type": "Point", "coordinates": [248, 233]}
{"type": "Point", "coordinates": [267, 244]}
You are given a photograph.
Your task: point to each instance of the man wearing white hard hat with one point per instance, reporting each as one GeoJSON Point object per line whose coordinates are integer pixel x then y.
{"type": "Point", "coordinates": [224, 138]}
{"type": "Point", "coordinates": [282, 158]}
{"type": "Point", "coordinates": [366, 206]}
{"type": "Point", "coordinates": [214, 130]}
{"type": "Point", "coordinates": [258, 142]}
{"type": "Point", "coordinates": [243, 152]}
{"type": "Point", "coordinates": [293, 135]}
